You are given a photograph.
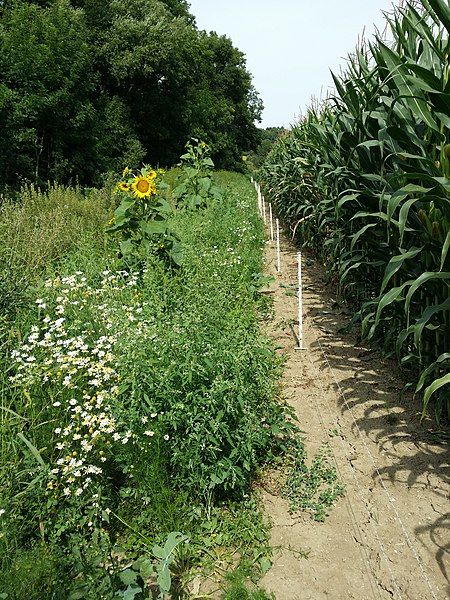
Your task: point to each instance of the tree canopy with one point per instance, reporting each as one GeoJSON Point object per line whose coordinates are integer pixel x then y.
{"type": "Point", "coordinates": [87, 86]}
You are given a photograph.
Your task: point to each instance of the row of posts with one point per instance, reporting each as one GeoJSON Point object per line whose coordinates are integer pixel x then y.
{"type": "Point", "coordinates": [267, 217]}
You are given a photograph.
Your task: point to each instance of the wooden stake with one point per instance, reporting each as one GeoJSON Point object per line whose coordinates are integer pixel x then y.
{"type": "Point", "coordinates": [278, 246]}
{"type": "Point", "coordinates": [300, 304]}
{"type": "Point", "coordinates": [271, 221]}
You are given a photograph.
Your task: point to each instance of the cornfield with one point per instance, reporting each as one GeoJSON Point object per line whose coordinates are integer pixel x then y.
{"type": "Point", "coordinates": [365, 180]}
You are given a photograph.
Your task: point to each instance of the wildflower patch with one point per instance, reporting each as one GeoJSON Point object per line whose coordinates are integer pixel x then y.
{"type": "Point", "coordinates": [71, 362]}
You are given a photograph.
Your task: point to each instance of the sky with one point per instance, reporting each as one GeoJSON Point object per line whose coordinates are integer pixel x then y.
{"type": "Point", "coordinates": [291, 45]}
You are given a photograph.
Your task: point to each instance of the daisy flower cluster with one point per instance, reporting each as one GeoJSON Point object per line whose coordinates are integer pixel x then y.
{"type": "Point", "coordinates": [70, 357]}
{"type": "Point", "coordinates": [245, 232]}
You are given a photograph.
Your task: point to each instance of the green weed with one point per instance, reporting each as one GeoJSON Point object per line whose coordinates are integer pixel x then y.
{"type": "Point", "coordinates": [170, 376]}
{"type": "Point", "coordinates": [314, 488]}
{"type": "Point", "coordinates": [240, 585]}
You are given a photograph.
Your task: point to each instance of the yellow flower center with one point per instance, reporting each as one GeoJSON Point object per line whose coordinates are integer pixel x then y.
{"type": "Point", "coordinates": [143, 186]}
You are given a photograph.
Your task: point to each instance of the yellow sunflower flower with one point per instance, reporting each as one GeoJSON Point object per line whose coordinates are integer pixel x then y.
{"type": "Point", "coordinates": [143, 187]}
{"type": "Point", "coordinates": [126, 172]}
{"type": "Point", "coordinates": [123, 186]}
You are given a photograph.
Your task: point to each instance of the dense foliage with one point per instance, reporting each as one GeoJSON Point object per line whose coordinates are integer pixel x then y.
{"type": "Point", "coordinates": [268, 137]}
{"type": "Point", "coordinates": [88, 86]}
{"type": "Point", "coordinates": [366, 180]}
{"type": "Point", "coordinates": [134, 404]}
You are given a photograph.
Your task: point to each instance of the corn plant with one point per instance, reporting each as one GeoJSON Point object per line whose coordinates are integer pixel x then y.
{"type": "Point", "coordinates": [365, 181]}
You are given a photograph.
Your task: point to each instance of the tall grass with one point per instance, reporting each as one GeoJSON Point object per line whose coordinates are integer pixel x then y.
{"type": "Point", "coordinates": [39, 228]}
{"type": "Point", "coordinates": [365, 178]}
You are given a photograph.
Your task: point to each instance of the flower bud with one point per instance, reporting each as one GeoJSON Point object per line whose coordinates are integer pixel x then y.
{"type": "Point", "coordinates": [422, 216]}
{"type": "Point", "coordinates": [435, 230]}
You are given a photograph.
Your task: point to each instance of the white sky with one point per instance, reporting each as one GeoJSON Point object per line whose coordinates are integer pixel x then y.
{"type": "Point", "coordinates": [291, 45]}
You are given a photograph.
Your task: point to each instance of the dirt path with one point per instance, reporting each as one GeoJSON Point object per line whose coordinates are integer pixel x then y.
{"type": "Point", "coordinates": [389, 537]}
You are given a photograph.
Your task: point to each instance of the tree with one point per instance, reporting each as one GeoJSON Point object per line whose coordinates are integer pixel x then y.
{"type": "Point", "coordinates": [89, 85]}
{"type": "Point", "coordinates": [267, 137]}
{"type": "Point", "coordinates": [46, 80]}
{"type": "Point", "coordinates": [224, 95]}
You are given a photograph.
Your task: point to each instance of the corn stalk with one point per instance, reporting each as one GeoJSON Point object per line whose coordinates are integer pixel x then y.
{"type": "Point", "coordinates": [366, 176]}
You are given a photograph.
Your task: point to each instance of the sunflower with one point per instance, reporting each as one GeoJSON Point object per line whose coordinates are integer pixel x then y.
{"type": "Point", "coordinates": [126, 172]}
{"type": "Point", "coordinates": [123, 186]}
{"type": "Point", "coordinates": [143, 187]}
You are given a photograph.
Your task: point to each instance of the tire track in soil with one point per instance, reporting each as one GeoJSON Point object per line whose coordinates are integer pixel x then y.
{"type": "Point", "coordinates": [360, 552]}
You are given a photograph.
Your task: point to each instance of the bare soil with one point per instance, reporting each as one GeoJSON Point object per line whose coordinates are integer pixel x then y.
{"type": "Point", "coordinates": [389, 536]}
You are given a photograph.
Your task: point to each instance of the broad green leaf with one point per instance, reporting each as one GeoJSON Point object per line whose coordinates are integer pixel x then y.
{"type": "Point", "coordinates": [179, 191]}
{"type": "Point", "coordinates": [422, 85]}
{"type": "Point", "coordinates": [417, 328]}
{"type": "Point", "coordinates": [131, 592]}
{"type": "Point", "coordinates": [403, 216]}
{"type": "Point", "coordinates": [370, 144]}
{"type": "Point", "coordinates": [433, 388]}
{"type": "Point", "coordinates": [426, 316]}
{"type": "Point", "coordinates": [411, 188]}
{"type": "Point", "coordinates": [124, 206]}
{"type": "Point", "coordinates": [416, 103]}
{"type": "Point", "coordinates": [173, 539]}
{"type": "Point", "coordinates": [163, 206]}
{"type": "Point", "coordinates": [153, 227]}
{"type": "Point", "coordinates": [393, 203]}
{"type": "Point", "coordinates": [426, 75]}
{"type": "Point", "coordinates": [444, 182]}
{"type": "Point", "coordinates": [361, 232]}
{"type": "Point", "coordinates": [176, 253]}
{"type": "Point", "coordinates": [265, 564]}
{"type": "Point", "coordinates": [442, 359]}
{"type": "Point", "coordinates": [442, 10]}
{"type": "Point", "coordinates": [424, 278]}
{"type": "Point", "coordinates": [444, 119]}
{"type": "Point", "coordinates": [146, 568]}
{"type": "Point", "coordinates": [164, 580]}
{"type": "Point", "coordinates": [404, 155]}
{"type": "Point", "coordinates": [445, 249]}
{"type": "Point", "coordinates": [396, 263]}
{"type": "Point", "coordinates": [159, 552]}
{"type": "Point", "coordinates": [79, 592]}
{"type": "Point", "coordinates": [126, 247]}
{"type": "Point", "coordinates": [388, 298]}
{"type": "Point", "coordinates": [128, 576]}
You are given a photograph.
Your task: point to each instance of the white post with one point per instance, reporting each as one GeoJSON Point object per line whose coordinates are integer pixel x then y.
{"type": "Point", "coordinates": [300, 303]}
{"type": "Point", "coordinates": [271, 221]}
{"type": "Point", "coordinates": [264, 210]}
{"type": "Point", "coordinates": [260, 202]}
{"type": "Point", "coordinates": [278, 247]}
